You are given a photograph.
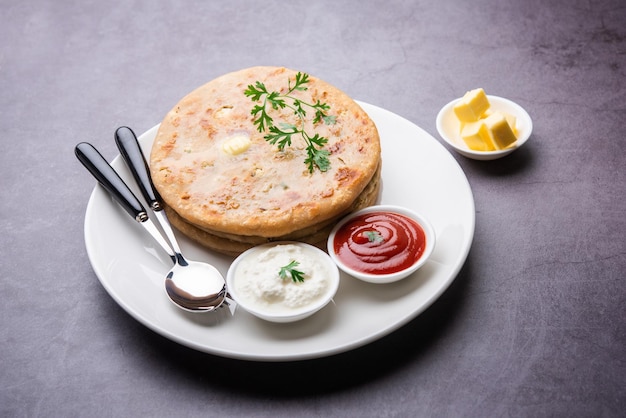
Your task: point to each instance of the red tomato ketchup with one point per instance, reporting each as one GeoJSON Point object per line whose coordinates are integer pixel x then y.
{"type": "Point", "coordinates": [380, 242]}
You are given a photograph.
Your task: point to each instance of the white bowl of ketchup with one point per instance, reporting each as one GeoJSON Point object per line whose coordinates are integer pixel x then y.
{"type": "Point", "coordinates": [381, 244]}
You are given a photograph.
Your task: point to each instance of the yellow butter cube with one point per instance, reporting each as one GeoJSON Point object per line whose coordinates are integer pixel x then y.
{"type": "Point", "coordinates": [499, 130]}
{"type": "Point", "coordinates": [236, 144]}
{"type": "Point", "coordinates": [477, 137]}
{"type": "Point", "coordinates": [511, 119]}
{"type": "Point", "coordinates": [472, 105]}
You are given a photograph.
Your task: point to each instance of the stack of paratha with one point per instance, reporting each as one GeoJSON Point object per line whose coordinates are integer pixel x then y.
{"type": "Point", "coordinates": [230, 201]}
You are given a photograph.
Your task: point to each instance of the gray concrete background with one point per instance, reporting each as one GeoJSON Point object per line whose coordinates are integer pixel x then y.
{"type": "Point", "coordinates": [532, 326]}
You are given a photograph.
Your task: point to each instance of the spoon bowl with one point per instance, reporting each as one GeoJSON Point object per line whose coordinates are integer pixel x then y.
{"type": "Point", "coordinates": [184, 288]}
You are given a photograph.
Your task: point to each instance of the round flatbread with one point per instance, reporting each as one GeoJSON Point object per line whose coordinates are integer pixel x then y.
{"type": "Point", "coordinates": [213, 167]}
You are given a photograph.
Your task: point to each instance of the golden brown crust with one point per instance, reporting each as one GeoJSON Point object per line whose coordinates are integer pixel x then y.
{"type": "Point", "coordinates": [235, 244]}
{"type": "Point", "coordinates": [261, 192]}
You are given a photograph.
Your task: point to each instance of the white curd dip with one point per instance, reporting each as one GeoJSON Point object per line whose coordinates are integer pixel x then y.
{"type": "Point", "coordinates": [257, 282]}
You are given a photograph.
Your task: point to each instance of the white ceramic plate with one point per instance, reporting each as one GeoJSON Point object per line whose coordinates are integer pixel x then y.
{"type": "Point", "coordinates": [418, 173]}
{"type": "Point", "coordinates": [449, 128]}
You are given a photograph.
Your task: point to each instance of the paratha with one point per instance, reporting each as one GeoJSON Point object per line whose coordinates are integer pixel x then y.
{"type": "Point", "coordinates": [260, 192]}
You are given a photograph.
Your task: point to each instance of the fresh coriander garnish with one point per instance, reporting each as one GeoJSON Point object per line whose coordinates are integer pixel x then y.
{"type": "Point", "coordinates": [296, 275]}
{"type": "Point", "coordinates": [373, 236]}
{"type": "Point", "coordinates": [283, 133]}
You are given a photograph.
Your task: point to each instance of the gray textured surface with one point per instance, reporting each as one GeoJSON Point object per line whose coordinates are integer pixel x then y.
{"type": "Point", "coordinates": [534, 325]}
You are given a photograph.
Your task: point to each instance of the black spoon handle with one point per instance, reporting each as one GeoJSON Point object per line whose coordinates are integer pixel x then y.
{"type": "Point", "coordinates": [130, 150]}
{"type": "Point", "coordinates": [110, 180]}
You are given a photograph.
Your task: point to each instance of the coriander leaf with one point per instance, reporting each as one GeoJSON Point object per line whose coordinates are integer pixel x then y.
{"type": "Point", "coordinates": [317, 158]}
{"type": "Point", "coordinates": [301, 78]}
{"type": "Point", "coordinates": [373, 236]}
{"type": "Point", "coordinates": [319, 140]}
{"type": "Point", "coordinates": [256, 92]}
{"type": "Point", "coordinates": [296, 275]}
{"type": "Point", "coordinates": [276, 101]}
{"type": "Point", "coordinates": [330, 120]}
{"type": "Point", "coordinates": [283, 135]}
{"type": "Point", "coordinates": [298, 109]}
{"type": "Point", "coordinates": [261, 120]}
{"type": "Point", "coordinates": [321, 106]}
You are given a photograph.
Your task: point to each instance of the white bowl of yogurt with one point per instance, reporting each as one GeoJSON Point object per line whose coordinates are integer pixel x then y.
{"type": "Point", "coordinates": [283, 281]}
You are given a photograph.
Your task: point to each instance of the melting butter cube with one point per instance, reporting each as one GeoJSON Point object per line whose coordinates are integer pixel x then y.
{"type": "Point", "coordinates": [472, 105]}
{"type": "Point", "coordinates": [236, 144]}
{"type": "Point", "coordinates": [499, 130]}
{"type": "Point", "coordinates": [477, 137]}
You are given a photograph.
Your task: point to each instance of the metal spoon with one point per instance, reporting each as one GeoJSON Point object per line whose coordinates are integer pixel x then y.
{"type": "Point", "coordinates": [184, 290]}
{"type": "Point", "coordinates": [193, 286]}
